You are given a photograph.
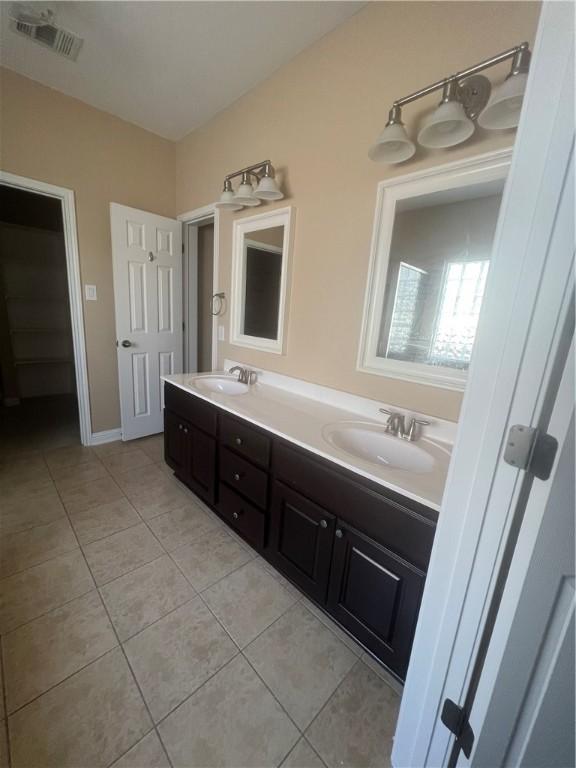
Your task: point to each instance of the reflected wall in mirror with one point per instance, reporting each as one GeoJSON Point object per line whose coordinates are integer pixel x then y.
{"type": "Point", "coordinates": [260, 269]}
{"type": "Point", "coordinates": [431, 256]}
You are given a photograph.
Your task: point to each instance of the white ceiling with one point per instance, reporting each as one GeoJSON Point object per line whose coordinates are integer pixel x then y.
{"type": "Point", "coordinates": [170, 66]}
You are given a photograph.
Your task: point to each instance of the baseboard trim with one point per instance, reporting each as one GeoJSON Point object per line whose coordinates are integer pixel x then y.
{"type": "Point", "coordinates": [108, 436]}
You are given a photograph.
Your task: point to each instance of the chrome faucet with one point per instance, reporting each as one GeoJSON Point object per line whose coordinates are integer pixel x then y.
{"type": "Point", "coordinates": [396, 425]}
{"type": "Point", "coordinates": [245, 376]}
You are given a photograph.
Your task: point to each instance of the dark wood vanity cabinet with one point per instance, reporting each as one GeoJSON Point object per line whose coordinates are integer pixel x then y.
{"type": "Point", "coordinates": [357, 550]}
{"type": "Point", "coordinates": [375, 595]}
{"type": "Point", "coordinates": [301, 539]}
{"type": "Point", "coordinates": [189, 450]}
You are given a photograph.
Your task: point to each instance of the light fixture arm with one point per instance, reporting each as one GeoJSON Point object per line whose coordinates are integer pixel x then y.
{"type": "Point", "coordinates": [520, 55]}
{"type": "Point", "coordinates": [259, 170]}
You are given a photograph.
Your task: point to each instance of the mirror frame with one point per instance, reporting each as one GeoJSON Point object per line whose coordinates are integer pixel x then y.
{"type": "Point", "coordinates": [462, 173]}
{"type": "Point", "coordinates": [279, 217]}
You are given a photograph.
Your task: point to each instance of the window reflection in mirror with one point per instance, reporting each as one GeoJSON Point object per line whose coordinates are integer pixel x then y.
{"type": "Point", "coordinates": [429, 269]}
{"type": "Point", "coordinates": [438, 264]}
{"type": "Point", "coordinates": [262, 281]}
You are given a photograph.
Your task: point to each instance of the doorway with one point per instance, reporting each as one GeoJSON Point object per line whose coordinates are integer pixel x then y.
{"type": "Point", "coordinates": [37, 378]}
{"type": "Point", "coordinates": [43, 384]}
{"type": "Point", "coordinates": [205, 287]}
{"type": "Point", "coordinates": [202, 302]}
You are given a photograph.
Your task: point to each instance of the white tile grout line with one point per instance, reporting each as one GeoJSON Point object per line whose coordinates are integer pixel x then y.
{"type": "Point", "coordinates": [136, 683]}
{"type": "Point", "coordinates": [98, 588]}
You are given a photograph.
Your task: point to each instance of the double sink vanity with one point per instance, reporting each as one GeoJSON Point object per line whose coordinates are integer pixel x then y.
{"type": "Point", "coordinates": [343, 508]}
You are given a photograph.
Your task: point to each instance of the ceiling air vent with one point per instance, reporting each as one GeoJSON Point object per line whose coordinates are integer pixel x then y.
{"type": "Point", "coordinates": [42, 29]}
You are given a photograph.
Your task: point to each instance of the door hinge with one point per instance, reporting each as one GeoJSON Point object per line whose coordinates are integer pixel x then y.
{"type": "Point", "coordinates": [457, 723]}
{"type": "Point", "coordinates": [530, 449]}
{"type": "Point", "coordinates": [182, 247]}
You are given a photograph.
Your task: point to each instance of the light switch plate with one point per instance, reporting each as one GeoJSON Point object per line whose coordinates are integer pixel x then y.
{"type": "Point", "coordinates": [90, 293]}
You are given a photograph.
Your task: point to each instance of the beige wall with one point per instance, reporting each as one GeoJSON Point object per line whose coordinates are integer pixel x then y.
{"type": "Point", "coordinates": [315, 118]}
{"type": "Point", "coordinates": [51, 137]}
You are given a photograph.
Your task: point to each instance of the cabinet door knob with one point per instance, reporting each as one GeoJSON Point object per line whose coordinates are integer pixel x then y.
{"type": "Point", "coordinates": [235, 515]}
{"type": "Point", "coordinates": [236, 476]}
{"type": "Point", "coordinates": [339, 533]}
{"type": "Point", "coordinates": [179, 426]}
{"type": "Point", "coordinates": [238, 441]}
{"type": "Point", "coordinates": [323, 524]}
{"type": "Point", "coordinates": [185, 430]}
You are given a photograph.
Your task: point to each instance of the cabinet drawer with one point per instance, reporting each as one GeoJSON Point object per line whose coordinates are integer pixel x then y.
{"type": "Point", "coordinates": [242, 516]}
{"type": "Point", "coordinates": [245, 440]}
{"type": "Point", "coordinates": [199, 413]}
{"type": "Point", "coordinates": [405, 531]}
{"type": "Point", "coordinates": [244, 477]}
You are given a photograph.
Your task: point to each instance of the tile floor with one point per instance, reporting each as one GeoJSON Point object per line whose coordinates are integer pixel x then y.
{"type": "Point", "coordinates": [138, 632]}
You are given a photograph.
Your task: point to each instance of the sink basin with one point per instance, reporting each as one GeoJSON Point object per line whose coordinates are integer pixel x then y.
{"type": "Point", "coordinates": [226, 385]}
{"type": "Point", "coordinates": [370, 442]}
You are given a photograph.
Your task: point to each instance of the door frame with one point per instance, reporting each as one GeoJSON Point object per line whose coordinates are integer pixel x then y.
{"type": "Point", "coordinates": [196, 218]}
{"type": "Point", "coordinates": [67, 201]}
{"type": "Point", "coordinates": [527, 311]}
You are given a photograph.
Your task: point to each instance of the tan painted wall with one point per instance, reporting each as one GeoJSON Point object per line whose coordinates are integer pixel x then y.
{"type": "Point", "coordinates": [315, 118]}
{"type": "Point", "coordinates": [51, 137]}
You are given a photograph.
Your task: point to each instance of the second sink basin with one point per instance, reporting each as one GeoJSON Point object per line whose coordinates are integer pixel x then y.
{"type": "Point", "coordinates": [370, 442]}
{"type": "Point", "coordinates": [226, 385]}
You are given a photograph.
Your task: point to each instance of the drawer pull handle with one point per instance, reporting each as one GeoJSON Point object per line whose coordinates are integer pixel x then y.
{"type": "Point", "coordinates": [238, 440]}
{"type": "Point", "coordinates": [339, 533]}
{"type": "Point", "coordinates": [235, 515]}
{"type": "Point", "coordinates": [237, 476]}
{"type": "Point", "coordinates": [323, 524]}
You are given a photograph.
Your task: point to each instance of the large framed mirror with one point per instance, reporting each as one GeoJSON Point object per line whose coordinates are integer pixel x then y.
{"type": "Point", "coordinates": [430, 259]}
{"type": "Point", "coordinates": [260, 280]}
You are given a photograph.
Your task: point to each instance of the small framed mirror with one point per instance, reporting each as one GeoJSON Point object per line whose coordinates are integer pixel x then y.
{"type": "Point", "coordinates": [431, 252]}
{"type": "Point", "coordinates": [260, 280]}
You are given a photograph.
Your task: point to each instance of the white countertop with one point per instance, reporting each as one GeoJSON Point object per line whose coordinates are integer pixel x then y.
{"type": "Point", "coordinates": [301, 421]}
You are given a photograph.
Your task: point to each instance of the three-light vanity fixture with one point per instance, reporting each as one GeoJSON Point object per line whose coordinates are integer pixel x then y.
{"type": "Point", "coordinates": [467, 97]}
{"type": "Point", "coordinates": [246, 194]}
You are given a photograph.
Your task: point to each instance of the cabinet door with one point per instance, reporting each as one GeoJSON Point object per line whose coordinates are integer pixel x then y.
{"type": "Point", "coordinates": [175, 443]}
{"type": "Point", "coordinates": [300, 544]}
{"type": "Point", "coordinates": [375, 595]}
{"type": "Point", "coordinates": [201, 461]}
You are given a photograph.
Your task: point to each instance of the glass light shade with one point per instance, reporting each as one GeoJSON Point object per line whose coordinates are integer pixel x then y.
{"type": "Point", "coordinates": [267, 189]}
{"type": "Point", "coordinates": [392, 146]}
{"type": "Point", "coordinates": [503, 109]}
{"type": "Point", "coordinates": [227, 201]}
{"type": "Point", "coordinates": [447, 126]}
{"type": "Point", "coordinates": [245, 196]}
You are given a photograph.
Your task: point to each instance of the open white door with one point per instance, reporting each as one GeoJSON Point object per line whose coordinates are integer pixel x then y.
{"type": "Point", "coordinates": [147, 260]}
{"type": "Point", "coordinates": [523, 338]}
{"type": "Point", "coordinates": [524, 710]}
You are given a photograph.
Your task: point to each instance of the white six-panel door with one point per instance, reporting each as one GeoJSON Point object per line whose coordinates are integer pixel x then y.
{"type": "Point", "coordinates": [147, 261]}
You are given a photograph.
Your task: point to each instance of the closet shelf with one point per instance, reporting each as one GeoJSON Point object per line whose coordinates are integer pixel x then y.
{"type": "Point", "coordinates": [40, 330]}
{"type": "Point", "coordinates": [8, 297]}
{"type": "Point", "coordinates": [44, 361]}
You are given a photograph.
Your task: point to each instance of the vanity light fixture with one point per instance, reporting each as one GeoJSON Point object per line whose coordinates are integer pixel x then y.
{"type": "Point", "coordinates": [246, 195]}
{"type": "Point", "coordinates": [467, 97]}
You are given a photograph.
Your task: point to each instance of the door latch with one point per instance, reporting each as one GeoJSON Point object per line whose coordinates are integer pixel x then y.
{"type": "Point", "coordinates": [530, 449]}
{"type": "Point", "coordinates": [455, 719]}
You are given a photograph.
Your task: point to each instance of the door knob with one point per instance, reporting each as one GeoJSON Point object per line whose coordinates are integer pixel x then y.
{"type": "Point", "coordinates": [235, 515]}
{"type": "Point", "coordinates": [238, 441]}
{"type": "Point", "coordinates": [126, 343]}
{"type": "Point", "coordinates": [236, 476]}
{"type": "Point", "coordinates": [339, 533]}
{"type": "Point", "coordinates": [323, 524]}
